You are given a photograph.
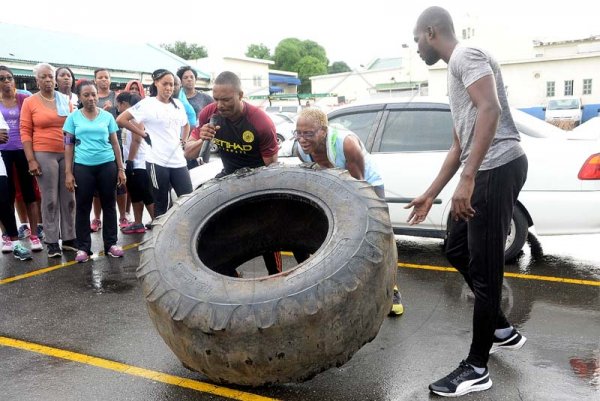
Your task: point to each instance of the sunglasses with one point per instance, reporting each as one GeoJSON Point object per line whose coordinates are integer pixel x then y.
{"type": "Point", "coordinates": [6, 78]}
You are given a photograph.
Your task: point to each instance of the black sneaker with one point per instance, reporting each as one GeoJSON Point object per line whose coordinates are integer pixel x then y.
{"type": "Point", "coordinates": [514, 341]}
{"type": "Point", "coordinates": [69, 245]}
{"type": "Point", "coordinates": [54, 250]}
{"type": "Point", "coordinates": [462, 380]}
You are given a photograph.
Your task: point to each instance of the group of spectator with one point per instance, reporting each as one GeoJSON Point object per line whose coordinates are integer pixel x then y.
{"type": "Point", "coordinates": [65, 138]}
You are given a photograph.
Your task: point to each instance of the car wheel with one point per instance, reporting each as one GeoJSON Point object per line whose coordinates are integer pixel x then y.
{"type": "Point", "coordinates": [280, 139]}
{"type": "Point", "coordinates": [517, 235]}
{"type": "Point", "coordinates": [280, 328]}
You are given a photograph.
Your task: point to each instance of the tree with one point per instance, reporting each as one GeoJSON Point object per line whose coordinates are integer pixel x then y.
{"type": "Point", "coordinates": [311, 48]}
{"type": "Point", "coordinates": [287, 54]}
{"type": "Point", "coordinates": [309, 66]}
{"type": "Point", "coordinates": [337, 67]}
{"type": "Point", "coordinates": [259, 51]}
{"type": "Point", "coordinates": [307, 58]}
{"type": "Point", "coordinates": [186, 51]}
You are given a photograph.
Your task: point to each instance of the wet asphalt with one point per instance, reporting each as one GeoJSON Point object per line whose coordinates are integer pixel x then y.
{"type": "Point", "coordinates": [92, 321]}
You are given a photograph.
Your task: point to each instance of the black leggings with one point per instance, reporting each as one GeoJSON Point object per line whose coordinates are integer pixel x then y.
{"type": "Point", "coordinates": [7, 211]}
{"type": "Point", "coordinates": [18, 159]}
{"type": "Point", "coordinates": [162, 179]}
{"type": "Point", "coordinates": [476, 249]}
{"type": "Point", "coordinates": [103, 178]}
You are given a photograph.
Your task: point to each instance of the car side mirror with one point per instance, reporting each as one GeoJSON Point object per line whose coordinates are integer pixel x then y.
{"type": "Point", "coordinates": [543, 109]}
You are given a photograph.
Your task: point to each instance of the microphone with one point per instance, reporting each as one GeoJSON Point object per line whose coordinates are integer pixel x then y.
{"type": "Point", "coordinates": [205, 151]}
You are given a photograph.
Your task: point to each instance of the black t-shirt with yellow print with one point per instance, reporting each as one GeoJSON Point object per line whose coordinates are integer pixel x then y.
{"type": "Point", "coordinates": [243, 143]}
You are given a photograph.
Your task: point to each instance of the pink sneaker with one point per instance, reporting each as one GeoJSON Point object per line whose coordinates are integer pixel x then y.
{"type": "Point", "coordinates": [82, 256]}
{"type": "Point", "coordinates": [115, 251]}
{"type": "Point", "coordinates": [95, 225]}
{"type": "Point", "coordinates": [7, 244]}
{"type": "Point", "coordinates": [36, 244]}
{"type": "Point", "coordinates": [123, 222]}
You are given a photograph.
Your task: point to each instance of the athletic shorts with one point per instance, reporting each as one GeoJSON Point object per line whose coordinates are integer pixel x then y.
{"type": "Point", "coordinates": [138, 186]}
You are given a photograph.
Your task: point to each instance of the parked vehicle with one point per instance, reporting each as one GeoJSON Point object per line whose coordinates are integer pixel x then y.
{"type": "Point", "coordinates": [284, 125]}
{"type": "Point", "coordinates": [588, 130]}
{"type": "Point", "coordinates": [409, 139]}
{"type": "Point", "coordinates": [292, 108]}
{"type": "Point", "coordinates": [564, 110]}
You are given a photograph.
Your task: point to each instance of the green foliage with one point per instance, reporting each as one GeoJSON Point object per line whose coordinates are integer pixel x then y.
{"type": "Point", "coordinates": [309, 66]}
{"type": "Point", "coordinates": [287, 54]}
{"type": "Point", "coordinates": [337, 67]}
{"type": "Point", "coordinates": [260, 51]}
{"type": "Point", "coordinates": [186, 51]}
{"type": "Point", "coordinates": [307, 58]}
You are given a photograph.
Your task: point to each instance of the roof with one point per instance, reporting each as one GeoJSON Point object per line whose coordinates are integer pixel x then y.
{"type": "Point", "coordinates": [384, 63]}
{"type": "Point", "coordinates": [283, 79]}
{"type": "Point", "coordinates": [27, 44]}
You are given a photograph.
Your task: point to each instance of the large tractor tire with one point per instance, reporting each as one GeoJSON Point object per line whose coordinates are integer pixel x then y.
{"type": "Point", "coordinates": [285, 327]}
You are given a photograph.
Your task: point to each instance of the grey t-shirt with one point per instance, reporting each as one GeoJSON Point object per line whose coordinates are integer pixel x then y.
{"type": "Point", "coordinates": [199, 101]}
{"type": "Point", "coordinates": [466, 66]}
{"type": "Point", "coordinates": [113, 99]}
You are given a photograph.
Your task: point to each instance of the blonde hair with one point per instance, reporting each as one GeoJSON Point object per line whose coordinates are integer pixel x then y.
{"type": "Point", "coordinates": [315, 115]}
{"type": "Point", "coordinates": [39, 66]}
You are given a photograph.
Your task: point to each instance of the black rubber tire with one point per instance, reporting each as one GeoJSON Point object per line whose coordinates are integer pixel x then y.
{"type": "Point", "coordinates": [280, 139]}
{"type": "Point", "coordinates": [281, 328]}
{"type": "Point", "coordinates": [514, 243]}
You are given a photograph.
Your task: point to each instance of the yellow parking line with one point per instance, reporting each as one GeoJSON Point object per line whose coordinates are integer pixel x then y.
{"type": "Point", "coordinates": [55, 267]}
{"type": "Point", "coordinates": [514, 275]}
{"type": "Point", "coordinates": [133, 370]}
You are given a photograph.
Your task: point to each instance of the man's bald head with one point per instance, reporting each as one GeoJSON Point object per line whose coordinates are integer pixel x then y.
{"type": "Point", "coordinates": [437, 18]}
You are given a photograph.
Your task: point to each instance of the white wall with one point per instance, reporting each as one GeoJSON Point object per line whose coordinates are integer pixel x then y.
{"type": "Point", "coordinates": [361, 84]}
{"type": "Point", "coordinates": [526, 80]}
{"type": "Point", "coordinates": [253, 73]}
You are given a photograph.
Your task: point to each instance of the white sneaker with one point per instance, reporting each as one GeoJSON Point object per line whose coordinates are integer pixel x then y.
{"type": "Point", "coordinates": [36, 244]}
{"type": "Point", "coordinates": [7, 244]}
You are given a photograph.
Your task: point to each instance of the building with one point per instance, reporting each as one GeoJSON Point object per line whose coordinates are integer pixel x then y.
{"type": "Point", "coordinates": [400, 76]}
{"type": "Point", "coordinates": [253, 72]}
{"type": "Point", "coordinates": [559, 68]}
{"type": "Point", "coordinates": [533, 70]}
{"type": "Point", "coordinates": [21, 48]}
{"type": "Point", "coordinates": [261, 85]}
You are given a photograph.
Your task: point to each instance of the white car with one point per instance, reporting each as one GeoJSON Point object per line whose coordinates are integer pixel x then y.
{"type": "Point", "coordinates": [284, 126]}
{"type": "Point", "coordinates": [409, 139]}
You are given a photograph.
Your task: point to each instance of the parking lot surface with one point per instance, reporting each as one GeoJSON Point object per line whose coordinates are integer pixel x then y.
{"type": "Point", "coordinates": [81, 332]}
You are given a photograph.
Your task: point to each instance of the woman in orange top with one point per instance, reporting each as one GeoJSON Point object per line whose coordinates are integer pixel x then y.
{"type": "Point", "coordinates": [42, 119]}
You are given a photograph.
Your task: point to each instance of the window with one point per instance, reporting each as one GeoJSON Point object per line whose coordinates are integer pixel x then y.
{"type": "Point", "coordinates": [257, 81]}
{"type": "Point", "coordinates": [587, 86]}
{"type": "Point", "coordinates": [569, 88]}
{"type": "Point", "coordinates": [550, 89]}
{"type": "Point", "coordinates": [359, 123]}
{"type": "Point", "coordinates": [417, 130]}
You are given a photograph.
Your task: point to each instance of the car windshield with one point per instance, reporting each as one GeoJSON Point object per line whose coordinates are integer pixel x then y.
{"type": "Point", "coordinates": [563, 104]}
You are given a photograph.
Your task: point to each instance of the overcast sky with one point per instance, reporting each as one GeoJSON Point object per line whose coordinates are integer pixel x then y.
{"type": "Point", "coordinates": [350, 33]}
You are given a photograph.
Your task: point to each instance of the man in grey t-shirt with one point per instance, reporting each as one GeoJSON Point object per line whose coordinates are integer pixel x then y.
{"type": "Point", "coordinates": [494, 169]}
